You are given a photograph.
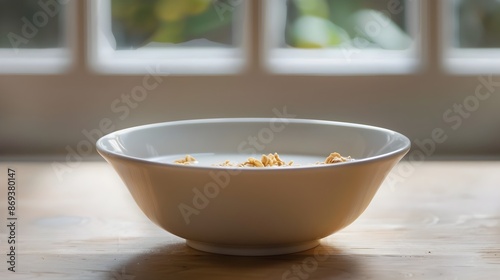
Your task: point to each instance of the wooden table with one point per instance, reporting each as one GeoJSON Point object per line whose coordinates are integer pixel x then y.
{"type": "Point", "coordinates": [441, 222]}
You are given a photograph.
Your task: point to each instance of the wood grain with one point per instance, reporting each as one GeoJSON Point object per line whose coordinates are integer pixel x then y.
{"type": "Point", "coordinates": [441, 222]}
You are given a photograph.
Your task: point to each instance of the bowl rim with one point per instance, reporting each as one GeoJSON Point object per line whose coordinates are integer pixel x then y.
{"type": "Point", "coordinates": [105, 153]}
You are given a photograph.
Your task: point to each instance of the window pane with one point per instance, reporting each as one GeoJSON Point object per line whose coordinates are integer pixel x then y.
{"type": "Point", "coordinates": [361, 24]}
{"type": "Point", "coordinates": [478, 23]}
{"type": "Point", "coordinates": [30, 24]}
{"type": "Point", "coordinates": [167, 23]}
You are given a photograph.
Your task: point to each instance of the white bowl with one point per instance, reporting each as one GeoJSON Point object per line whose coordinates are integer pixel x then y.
{"type": "Point", "coordinates": [252, 211]}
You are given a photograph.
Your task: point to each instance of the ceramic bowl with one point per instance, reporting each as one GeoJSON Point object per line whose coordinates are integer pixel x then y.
{"type": "Point", "coordinates": [252, 210]}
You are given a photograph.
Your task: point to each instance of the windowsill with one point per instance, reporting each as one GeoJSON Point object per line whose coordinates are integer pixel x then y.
{"type": "Point", "coordinates": [195, 61]}
{"type": "Point", "coordinates": [472, 61]}
{"type": "Point", "coordinates": [34, 61]}
{"type": "Point", "coordinates": [341, 62]}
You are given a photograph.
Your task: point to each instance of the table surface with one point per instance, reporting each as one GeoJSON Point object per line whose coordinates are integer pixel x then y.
{"type": "Point", "coordinates": [441, 221]}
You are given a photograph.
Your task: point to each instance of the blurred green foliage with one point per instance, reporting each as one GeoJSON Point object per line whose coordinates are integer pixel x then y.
{"type": "Point", "coordinates": [310, 23]}
{"type": "Point", "coordinates": [138, 22]}
{"type": "Point", "coordinates": [346, 23]}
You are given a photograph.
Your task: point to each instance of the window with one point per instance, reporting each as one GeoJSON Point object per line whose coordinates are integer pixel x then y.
{"type": "Point", "coordinates": [343, 37]}
{"type": "Point", "coordinates": [178, 36]}
{"type": "Point", "coordinates": [33, 37]}
{"type": "Point", "coordinates": [472, 36]}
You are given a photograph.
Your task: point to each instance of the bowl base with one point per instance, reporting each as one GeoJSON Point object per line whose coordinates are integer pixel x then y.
{"type": "Point", "coordinates": [252, 250]}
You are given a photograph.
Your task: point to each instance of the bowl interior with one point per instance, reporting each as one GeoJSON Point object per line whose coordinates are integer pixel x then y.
{"type": "Point", "coordinates": [247, 137]}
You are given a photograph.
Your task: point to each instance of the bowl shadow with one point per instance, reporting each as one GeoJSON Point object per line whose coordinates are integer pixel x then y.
{"type": "Point", "coordinates": [178, 261]}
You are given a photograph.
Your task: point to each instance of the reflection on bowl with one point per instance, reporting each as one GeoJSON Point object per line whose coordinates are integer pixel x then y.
{"type": "Point", "coordinates": [252, 211]}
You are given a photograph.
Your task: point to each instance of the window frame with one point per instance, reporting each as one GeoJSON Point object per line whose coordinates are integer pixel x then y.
{"type": "Point", "coordinates": [345, 61]}
{"type": "Point", "coordinates": [463, 61]}
{"type": "Point", "coordinates": [454, 61]}
{"type": "Point", "coordinates": [103, 59]}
